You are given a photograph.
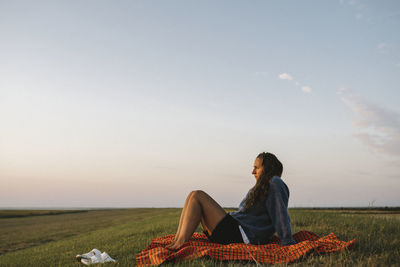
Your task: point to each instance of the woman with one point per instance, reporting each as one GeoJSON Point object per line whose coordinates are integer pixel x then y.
{"type": "Point", "coordinates": [262, 212]}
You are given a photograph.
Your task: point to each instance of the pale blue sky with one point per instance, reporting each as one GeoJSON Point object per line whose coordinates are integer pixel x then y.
{"type": "Point", "coordinates": [136, 103]}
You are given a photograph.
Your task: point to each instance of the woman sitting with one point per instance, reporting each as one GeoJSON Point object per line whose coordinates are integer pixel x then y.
{"type": "Point", "coordinates": [261, 213]}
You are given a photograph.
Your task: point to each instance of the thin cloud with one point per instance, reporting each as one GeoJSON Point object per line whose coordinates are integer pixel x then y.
{"type": "Point", "coordinates": [356, 6]}
{"type": "Point", "coordinates": [306, 89]}
{"type": "Point", "coordinates": [285, 76]}
{"type": "Point", "coordinates": [395, 14]}
{"type": "Point", "coordinates": [389, 49]}
{"type": "Point", "coordinates": [381, 46]}
{"type": "Point", "coordinates": [360, 7]}
{"type": "Point", "coordinates": [261, 73]}
{"type": "Point", "coordinates": [378, 127]}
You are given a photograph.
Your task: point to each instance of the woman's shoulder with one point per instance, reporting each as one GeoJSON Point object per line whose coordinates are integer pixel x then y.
{"type": "Point", "coordinates": [276, 180]}
{"type": "Point", "coordinates": [277, 183]}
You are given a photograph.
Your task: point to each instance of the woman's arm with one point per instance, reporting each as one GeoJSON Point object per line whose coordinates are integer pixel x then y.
{"type": "Point", "coordinates": [277, 206]}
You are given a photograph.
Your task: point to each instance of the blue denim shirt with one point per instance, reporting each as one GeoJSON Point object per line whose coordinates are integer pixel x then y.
{"type": "Point", "coordinates": [264, 219]}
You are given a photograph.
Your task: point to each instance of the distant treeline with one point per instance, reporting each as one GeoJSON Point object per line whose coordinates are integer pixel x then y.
{"type": "Point", "coordinates": [338, 208]}
{"type": "Point", "coordinates": [27, 213]}
{"type": "Point", "coordinates": [350, 208]}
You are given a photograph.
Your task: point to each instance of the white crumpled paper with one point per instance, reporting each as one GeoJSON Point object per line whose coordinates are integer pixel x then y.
{"type": "Point", "coordinates": [94, 256]}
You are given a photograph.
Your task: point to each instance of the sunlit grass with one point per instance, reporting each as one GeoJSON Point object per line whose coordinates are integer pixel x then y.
{"type": "Point", "coordinates": [54, 240]}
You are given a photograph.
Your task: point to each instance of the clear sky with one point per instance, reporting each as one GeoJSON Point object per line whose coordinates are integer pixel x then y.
{"type": "Point", "coordinates": [136, 103]}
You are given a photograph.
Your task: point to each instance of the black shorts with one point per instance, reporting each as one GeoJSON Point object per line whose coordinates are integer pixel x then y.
{"type": "Point", "coordinates": [226, 232]}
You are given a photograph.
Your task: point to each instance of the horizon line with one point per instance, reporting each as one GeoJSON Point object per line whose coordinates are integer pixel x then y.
{"type": "Point", "coordinates": [154, 207]}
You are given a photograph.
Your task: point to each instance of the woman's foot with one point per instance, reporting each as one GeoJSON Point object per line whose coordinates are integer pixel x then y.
{"type": "Point", "coordinates": [175, 244]}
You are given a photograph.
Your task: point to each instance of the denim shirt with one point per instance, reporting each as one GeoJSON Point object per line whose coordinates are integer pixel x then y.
{"type": "Point", "coordinates": [264, 219]}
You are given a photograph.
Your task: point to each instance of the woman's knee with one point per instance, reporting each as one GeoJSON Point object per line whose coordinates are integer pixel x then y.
{"type": "Point", "coordinates": [194, 193]}
{"type": "Point", "coordinates": [198, 194]}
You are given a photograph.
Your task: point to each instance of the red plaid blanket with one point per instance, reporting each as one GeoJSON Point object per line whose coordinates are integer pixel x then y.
{"type": "Point", "coordinates": [199, 246]}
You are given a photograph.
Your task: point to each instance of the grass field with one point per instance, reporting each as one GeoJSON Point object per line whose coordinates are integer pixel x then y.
{"type": "Point", "coordinates": [53, 238]}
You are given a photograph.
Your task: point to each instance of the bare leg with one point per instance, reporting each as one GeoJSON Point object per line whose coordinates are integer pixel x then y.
{"type": "Point", "coordinates": [183, 214]}
{"type": "Point", "coordinates": [181, 219]}
{"type": "Point", "coordinates": [203, 224]}
{"type": "Point", "coordinates": [200, 207]}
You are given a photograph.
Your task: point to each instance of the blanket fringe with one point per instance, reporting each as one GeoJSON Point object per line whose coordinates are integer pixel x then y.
{"type": "Point", "coordinates": [272, 252]}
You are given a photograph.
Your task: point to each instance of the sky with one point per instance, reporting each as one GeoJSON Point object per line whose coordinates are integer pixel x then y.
{"type": "Point", "coordinates": [137, 103]}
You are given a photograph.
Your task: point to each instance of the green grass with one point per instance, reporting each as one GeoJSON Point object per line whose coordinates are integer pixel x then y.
{"type": "Point", "coordinates": [29, 213]}
{"type": "Point", "coordinates": [55, 237]}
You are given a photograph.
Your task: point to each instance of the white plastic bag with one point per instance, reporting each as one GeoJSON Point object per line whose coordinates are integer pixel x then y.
{"type": "Point", "coordinates": [94, 256]}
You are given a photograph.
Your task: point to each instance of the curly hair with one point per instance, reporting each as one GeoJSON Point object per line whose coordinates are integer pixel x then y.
{"type": "Point", "coordinates": [271, 167]}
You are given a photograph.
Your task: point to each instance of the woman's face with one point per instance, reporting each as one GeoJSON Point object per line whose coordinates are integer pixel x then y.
{"type": "Point", "coordinates": [258, 168]}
